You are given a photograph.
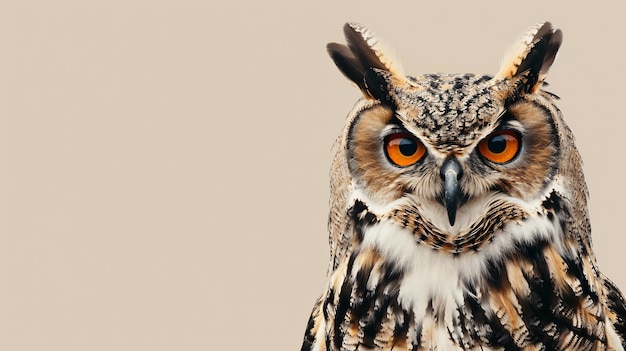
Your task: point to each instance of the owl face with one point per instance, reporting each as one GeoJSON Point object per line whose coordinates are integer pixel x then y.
{"type": "Point", "coordinates": [448, 141]}
{"type": "Point", "coordinates": [450, 145]}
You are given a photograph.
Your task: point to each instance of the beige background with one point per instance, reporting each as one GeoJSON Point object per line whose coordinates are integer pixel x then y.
{"type": "Point", "coordinates": [164, 165]}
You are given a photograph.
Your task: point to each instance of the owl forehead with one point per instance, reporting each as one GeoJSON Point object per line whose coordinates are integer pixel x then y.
{"type": "Point", "coordinates": [450, 111]}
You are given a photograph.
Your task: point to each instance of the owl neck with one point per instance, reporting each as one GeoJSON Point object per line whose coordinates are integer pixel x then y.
{"type": "Point", "coordinates": [528, 276]}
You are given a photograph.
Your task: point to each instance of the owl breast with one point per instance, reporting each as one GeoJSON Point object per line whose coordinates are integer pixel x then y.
{"type": "Point", "coordinates": [415, 296]}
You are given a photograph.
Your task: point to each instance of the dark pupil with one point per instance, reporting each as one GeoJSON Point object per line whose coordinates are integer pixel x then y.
{"type": "Point", "coordinates": [408, 147]}
{"type": "Point", "coordinates": [497, 144]}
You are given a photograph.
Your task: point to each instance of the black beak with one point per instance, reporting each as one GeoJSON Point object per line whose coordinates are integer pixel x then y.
{"type": "Point", "coordinates": [451, 172]}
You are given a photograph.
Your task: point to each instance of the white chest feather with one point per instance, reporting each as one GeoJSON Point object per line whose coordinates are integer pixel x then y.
{"type": "Point", "coordinates": [434, 283]}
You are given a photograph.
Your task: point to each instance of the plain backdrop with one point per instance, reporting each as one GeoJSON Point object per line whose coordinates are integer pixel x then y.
{"type": "Point", "coordinates": [164, 164]}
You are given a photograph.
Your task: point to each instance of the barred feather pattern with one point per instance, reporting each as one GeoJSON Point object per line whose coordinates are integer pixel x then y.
{"type": "Point", "coordinates": [533, 296]}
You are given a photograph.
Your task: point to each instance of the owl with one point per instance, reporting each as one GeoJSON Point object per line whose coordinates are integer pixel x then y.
{"type": "Point", "coordinates": [458, 213]}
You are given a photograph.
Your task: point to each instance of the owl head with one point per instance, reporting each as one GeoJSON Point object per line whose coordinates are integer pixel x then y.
{"type": "Point", "coordinates": [455, 157]}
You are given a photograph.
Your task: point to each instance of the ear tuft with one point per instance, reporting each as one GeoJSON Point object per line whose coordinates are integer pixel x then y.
{"type": "Point", "coordinates": [363, 52]}
{"type": "Point", "coordinates": [530, 60]}
{"type": "Point", "coordinates": [377, 86]}
{"type": "Point", "coordinates": [347, 63]}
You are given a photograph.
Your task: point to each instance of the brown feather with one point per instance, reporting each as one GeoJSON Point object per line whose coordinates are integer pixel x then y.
{"type": "Point", "coordinates": [363, 53]}
{"type": "Point", "coordinates": [529, 61]}
{"type": "Point", "coordinates": [348, 64]}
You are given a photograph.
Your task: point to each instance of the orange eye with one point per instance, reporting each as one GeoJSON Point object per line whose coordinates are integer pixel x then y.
{"type": "Point", "coordinates": [403, 149]}
{"type": "Point", "coordinates": [500, 146]}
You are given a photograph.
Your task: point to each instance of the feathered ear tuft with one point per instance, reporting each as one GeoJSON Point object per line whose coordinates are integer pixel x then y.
{"type": "Point", "coordinates": [363, 52]}
{"type": "Point", "coordinates": [530, 60]}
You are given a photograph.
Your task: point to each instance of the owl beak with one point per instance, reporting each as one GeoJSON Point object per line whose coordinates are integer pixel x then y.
{"type": "Point", "coordinates": [451, 172]}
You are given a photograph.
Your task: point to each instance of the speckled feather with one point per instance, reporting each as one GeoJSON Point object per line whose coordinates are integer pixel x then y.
{"type": "Point", "coordinates": [515, 271]}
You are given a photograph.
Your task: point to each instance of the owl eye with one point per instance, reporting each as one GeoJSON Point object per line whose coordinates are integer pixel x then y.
{"type": "Point", "coordinates": [500, 146]}
{"type": "Point", "coordinates": [403, 149]}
